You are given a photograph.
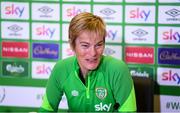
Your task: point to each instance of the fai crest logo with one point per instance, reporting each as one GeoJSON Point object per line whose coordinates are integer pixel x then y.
{"type": "Point", "coordinates": [101, 93]}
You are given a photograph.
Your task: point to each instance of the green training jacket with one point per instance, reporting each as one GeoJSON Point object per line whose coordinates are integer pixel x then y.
{"type": "Point", "coordinates": [107, 88]}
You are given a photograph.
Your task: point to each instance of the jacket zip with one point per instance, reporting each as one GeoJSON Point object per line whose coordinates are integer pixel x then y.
{"type": "Point", "coordinates": [86, 87]}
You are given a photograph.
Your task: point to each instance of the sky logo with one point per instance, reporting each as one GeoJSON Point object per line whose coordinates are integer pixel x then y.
{"type": "Point", "coordinates": [171, 35]}
{"type": "Point", "coordinates": [168, 35]}
{"type": "Point", "coordinates": [42, 70]}
{"type": "Point", "coordinates": [168, 76]}
{"type": "Point", "coordinates": [114, 34]}
{"type": "Point", "coordinates": [111, 34]}
{"type": "Point", "coordinates": [71, 10]}
{"type": "Point", "coordinates": [45, 31]}
{"type": "Point", "coordinates": [14, 10]}
{"type": "Point", "coordinates": [140, 14]}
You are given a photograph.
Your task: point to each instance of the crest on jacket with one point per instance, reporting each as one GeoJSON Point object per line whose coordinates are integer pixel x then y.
{"type": "Point", "coordinates": [101, 92]}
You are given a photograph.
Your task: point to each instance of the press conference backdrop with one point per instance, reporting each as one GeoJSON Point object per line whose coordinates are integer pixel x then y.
{"type": "Point", "coordinates": [34, 35]}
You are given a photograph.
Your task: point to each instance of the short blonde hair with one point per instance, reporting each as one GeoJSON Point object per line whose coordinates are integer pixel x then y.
{"type": "Point", "coordinates": [86, 22]}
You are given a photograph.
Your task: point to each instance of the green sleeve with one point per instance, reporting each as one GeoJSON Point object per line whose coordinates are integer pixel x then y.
{"type": "Point", "coordinates": [53, 92]}
{"type": "Point", "coordinates": [123, 88]}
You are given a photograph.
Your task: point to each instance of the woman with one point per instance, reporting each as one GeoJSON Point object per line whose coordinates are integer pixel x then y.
{"type": "Point", "coordinates": [90, 81]}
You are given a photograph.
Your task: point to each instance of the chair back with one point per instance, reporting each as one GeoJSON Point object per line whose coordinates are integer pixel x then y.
{"type": "Point", "coordinates": [144, 90]}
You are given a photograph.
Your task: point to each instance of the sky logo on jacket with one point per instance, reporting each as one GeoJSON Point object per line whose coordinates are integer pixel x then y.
{"type": "Point", "coordinates": [102, 107]}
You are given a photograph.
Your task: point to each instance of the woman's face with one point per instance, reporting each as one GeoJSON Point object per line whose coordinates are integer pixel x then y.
{"type": "Point", "coordinates": [88, 48]}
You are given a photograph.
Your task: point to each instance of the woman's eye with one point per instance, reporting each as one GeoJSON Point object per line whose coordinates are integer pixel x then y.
{"type": "Point", "coordinates": [99, 45]}
{"type": "Point", "coordinates": [84, 46]}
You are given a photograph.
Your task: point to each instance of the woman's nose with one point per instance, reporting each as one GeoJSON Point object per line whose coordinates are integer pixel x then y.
{"type": "Point", "coordinates": [93, 51]}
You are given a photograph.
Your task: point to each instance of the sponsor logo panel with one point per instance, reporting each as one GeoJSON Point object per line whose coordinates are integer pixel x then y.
{"type": "Point", "coordinates": [66, 50]}
{"type": "Point", "coordinates": [141, 71]}
{"type": "Point", "coordinates": [15, 49]}
{"type": "Point", "coordinates": [45, 11]}
{"type": "Point", "coordinates": [71, 10]}
{"type": "Point", "coordinates": [109, 13]}
{"type": "Point", "coordinates": [139, 35]}
{"type": "Point", "coordinates": [169, 15]}
{"type": "Point", "coordinates": [169, 103]}
{"type": "Point", "coordinates": [140, 14]}
{"type": "Point", "coordinates": [168, 76]}
{"type": "Point", "coordinates": [113, 50]}
{"type": "Point", "coordinates": [15, 30]}
{"type": "Point", "coordinates": [14, 10]}
{"type": "Point", "coordinates": [30, 96]}
{"type": "Point", "coordinates": [139, 55]}
{"type": "Point", "coordinates": [15, 68]}
{"type": "Point", "coordinates": [45, 50]}
{"type": "Point", "coordinates": [42, 70]}
{"type": "Point", "coordinates": [169, 56]}
{"type": "Point", "coordinates": [169, 35]}
{"type": "Point", "coordinates": [114, 34]}
{"type": "Point", "coordinates": [45, 31]}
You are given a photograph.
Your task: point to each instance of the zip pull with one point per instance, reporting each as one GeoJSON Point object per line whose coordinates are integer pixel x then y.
{"type": "Point", "coordinates": [87, 88]}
